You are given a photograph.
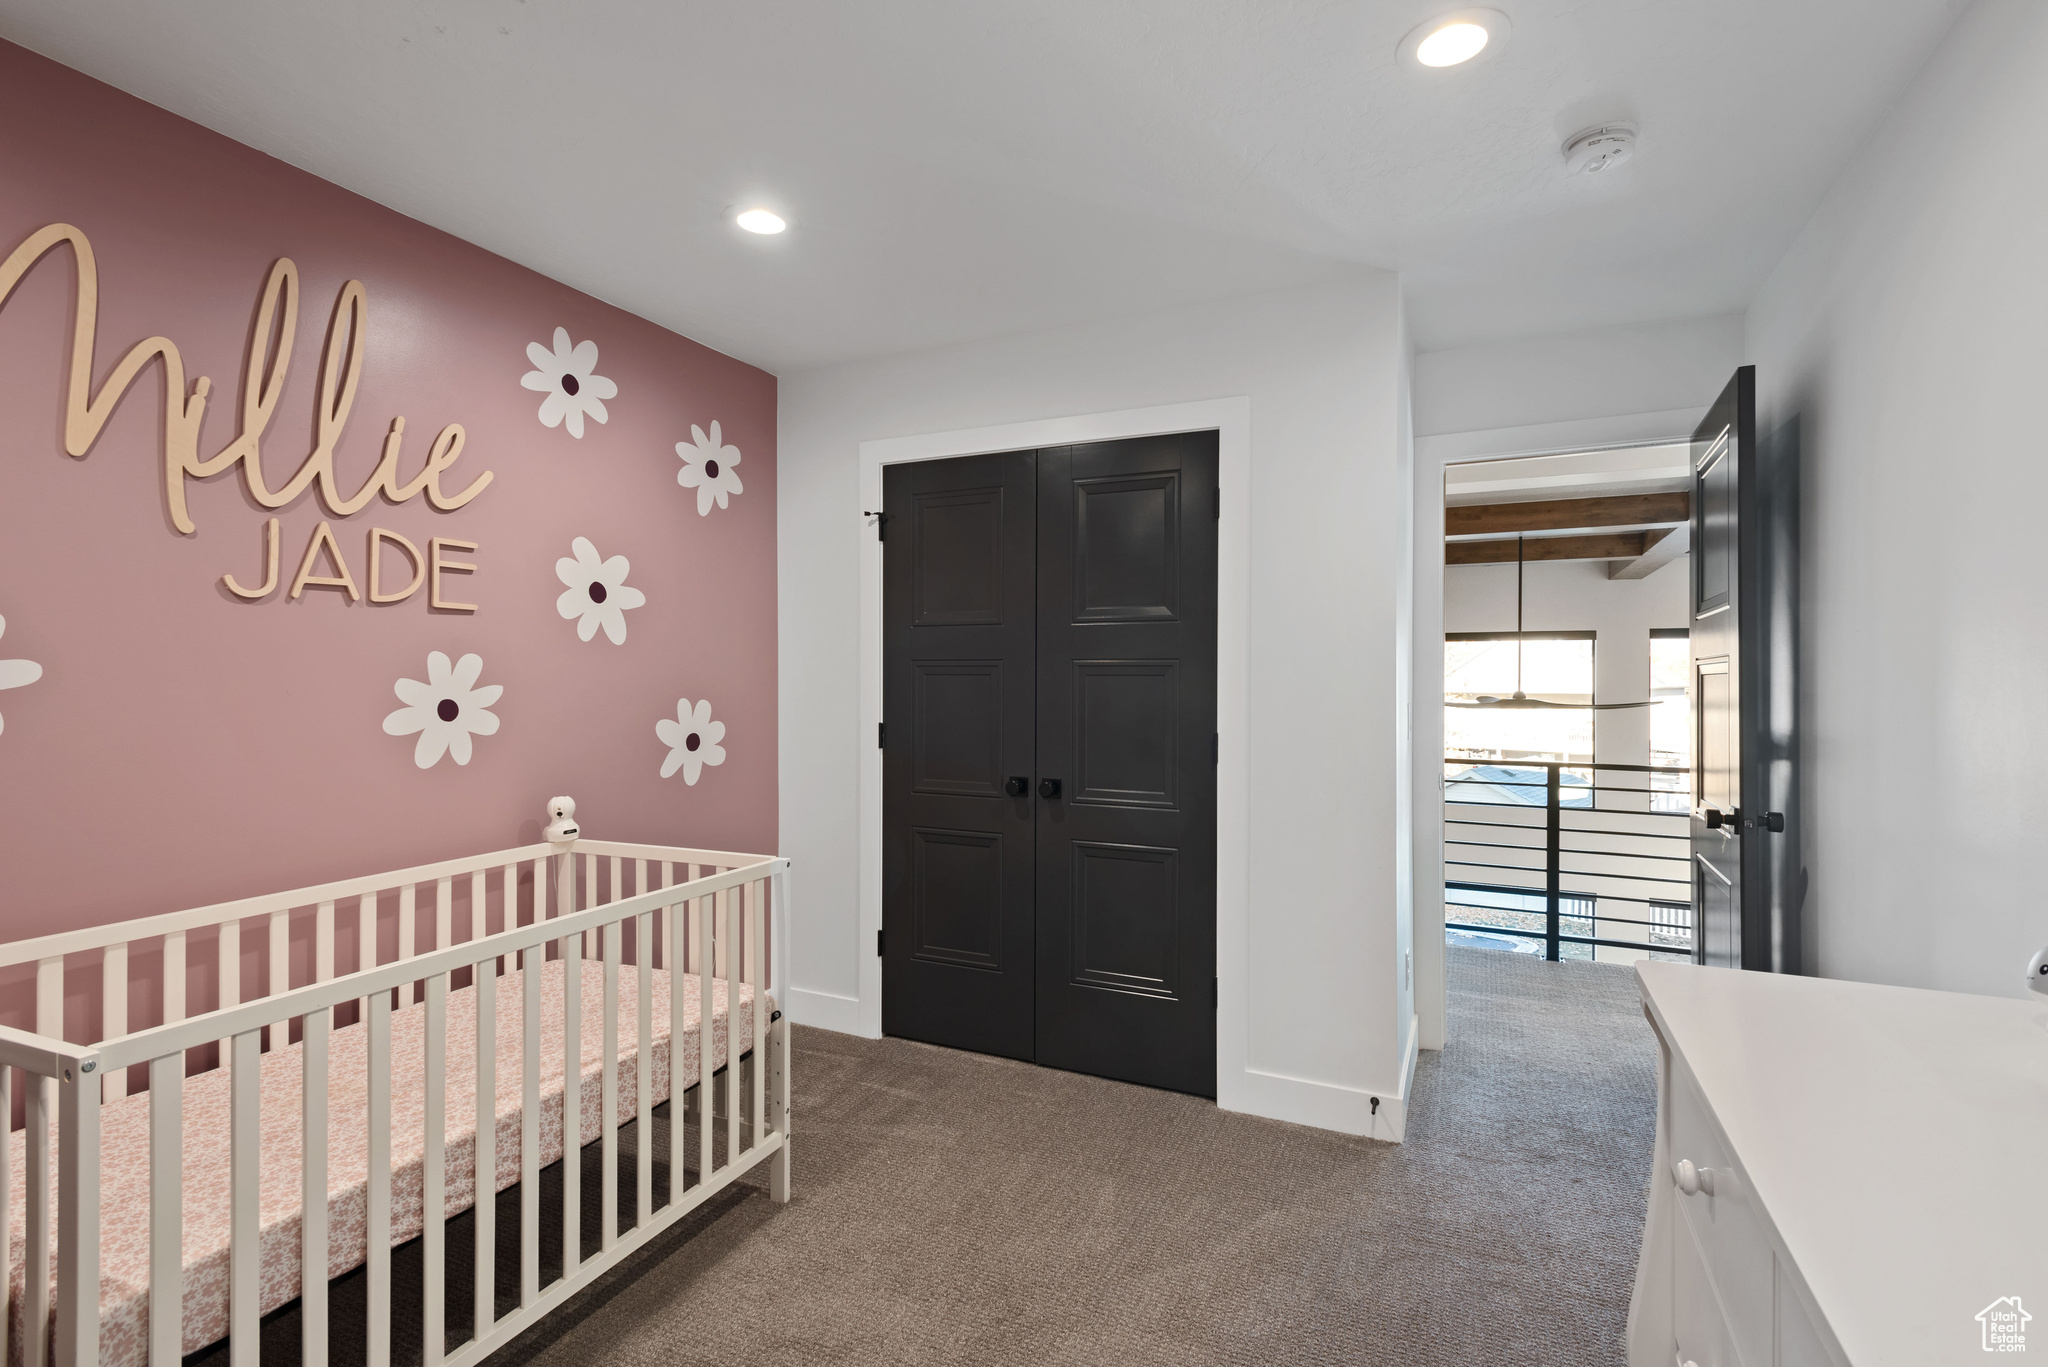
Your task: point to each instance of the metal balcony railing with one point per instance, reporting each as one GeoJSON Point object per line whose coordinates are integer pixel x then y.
{"type": "Point", "coordinates": [1568, 858]}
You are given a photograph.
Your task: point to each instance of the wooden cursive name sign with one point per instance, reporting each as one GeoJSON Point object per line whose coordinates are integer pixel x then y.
{"type": "Point", "coordinates": [264, 366]}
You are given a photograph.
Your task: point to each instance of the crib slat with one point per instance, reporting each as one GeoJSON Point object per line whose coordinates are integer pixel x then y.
{"type": "Point", "coordinates": [508, 902]}
{"type": "Point", "coordinates": [78, 1217]}
{"type": "Point", "coordinates": [618, 863]}
{"type": "Point", "coordinates": [444, 913]}
{"type": "Point", "coordinates": [229, 952]}
{"type": "Point", "coordinates": [408, 937]}
{"type": "Point", "coordinates": [313, 1254]}
{"type": "Point", "coordinates": [693, 952]}
{"type": "Point", "coordinates": [113, 1015]}
{"type": "Point", "coordinates": [529, 1112]}
{"type": "Point", "coordinates": [572, 1103]}
{"type": "Point", "coordinates": [676, 933]}
{"type": "Point", "coordinates": [608, 1086]}
{"type": "Point", "coordinates": [486, 1276]}
{"type": "Point", "coordinates": [753, 893]}
{"type": "Point", "coordinates": [35, 1262]}
{"type": "Point", "coordinates": [166, 1211]}
{"type": "Point", "coordinates": [366, 932]}
{"type": "Point", "coordinates": [721, 946]}
{"type": "Point", "coordinates": [323, 942]}
{"type": "Point", "coordinates": [434, 1184]}
{"type": "Point", "coordinates": [7, 1178]}
{"type": "Point", "coordinates": [643, 1068]}
{"type": "Point", "coordinates": [245, 1209]}
{"type": "Point", "coordinates": [280, 958]}
{"type": "Point", "coordinates": [700, 940]}
{"type": "Point", "coordinates": [479, 904]}
{"type": "Point", "coordinates": [726, 939]}
{"type": "Point", "coordinates": [379, 1127]}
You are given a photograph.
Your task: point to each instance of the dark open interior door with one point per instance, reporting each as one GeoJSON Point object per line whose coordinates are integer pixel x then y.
{"type": "Point", "coordinates": [1744, 651]}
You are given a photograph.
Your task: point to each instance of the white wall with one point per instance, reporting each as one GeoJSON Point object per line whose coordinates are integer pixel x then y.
{"type": "Point", "coordinates": [1535, 381]}
{"type": "Point", "coordinates": [1322, 1011]}
{"type": "Point", "coordinates": [1906, 336]}
{"type": "Point", "coordinates": [1577, 595]}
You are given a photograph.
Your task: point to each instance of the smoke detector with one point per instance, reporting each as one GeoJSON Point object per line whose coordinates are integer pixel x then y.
{"type": "Point", "coordinates": [1600, 149]}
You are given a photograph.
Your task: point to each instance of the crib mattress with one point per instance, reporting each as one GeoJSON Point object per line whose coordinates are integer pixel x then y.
{"type": "Point", "coordinates": [124, 1172]}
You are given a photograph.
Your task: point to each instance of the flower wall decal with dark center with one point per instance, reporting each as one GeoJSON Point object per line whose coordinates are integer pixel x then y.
{"type": "Point", "coordinates": [566, 375]}
{"type": "Point", "coordinates": [16, 673]}
{"type": "Point", "coordinates": [598, 594]}
{"type": "Point", "coordinates": [446, 710]}
{"type": "Point", "coordinates": [692, 739]}
{"type": "Point", "coordinates": [710, 467]}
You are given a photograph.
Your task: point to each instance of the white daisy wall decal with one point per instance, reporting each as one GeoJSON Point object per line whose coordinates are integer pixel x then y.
{"type": "Point", "coordinates": [692, 739]}
{"type": "Point", "coordinates": [597, 593]}
{"type": "Point", "coordinates": [710, 467]}
{"type": "Point", "coordinates": [16, 673]}
{"type": "Point", "coordinates": [566, 375]}
{"type": "Point", "coordinates": [446, 710]}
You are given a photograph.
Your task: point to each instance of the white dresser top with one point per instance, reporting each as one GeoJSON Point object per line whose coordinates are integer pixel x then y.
{"type": "Point", "coordinates": [1896, 1138]}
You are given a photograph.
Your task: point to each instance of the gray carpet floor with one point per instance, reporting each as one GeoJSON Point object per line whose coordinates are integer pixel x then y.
{"type": "Point", "coordinates": [951, 1208]}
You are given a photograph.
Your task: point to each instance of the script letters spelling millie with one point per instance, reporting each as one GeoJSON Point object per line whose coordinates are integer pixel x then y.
{"type": "Point", "coordinates": [264, 369]}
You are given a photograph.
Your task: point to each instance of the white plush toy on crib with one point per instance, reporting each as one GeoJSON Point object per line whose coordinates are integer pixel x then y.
{"type": "Point", "coordinates": [2037, 973]}
{"type": "Point", "coordinates": [562, 827]}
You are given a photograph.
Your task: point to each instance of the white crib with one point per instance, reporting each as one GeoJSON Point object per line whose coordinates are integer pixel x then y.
{"type": "Point", "coordinates": [142, 1240]}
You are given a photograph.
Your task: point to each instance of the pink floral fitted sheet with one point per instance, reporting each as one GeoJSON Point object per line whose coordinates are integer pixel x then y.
{"type": "Point", "coordinates": [124, 1163]}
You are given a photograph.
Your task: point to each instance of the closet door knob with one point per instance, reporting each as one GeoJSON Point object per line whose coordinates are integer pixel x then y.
{"type": "Point", "coordinates": [1714, 819]}
{"type": "Point", "coordinates": [1048, 787]}
{"type": "Point", "coordinates": [1017, 786]}
{"type": "Point", "coordinates": [1691, 1180]}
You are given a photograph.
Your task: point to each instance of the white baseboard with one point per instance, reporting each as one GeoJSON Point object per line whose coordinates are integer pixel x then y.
{"type": "Point", "coordinates": [826, 1010]}
{"type": "Point", "coordinates": [1327, 1105]}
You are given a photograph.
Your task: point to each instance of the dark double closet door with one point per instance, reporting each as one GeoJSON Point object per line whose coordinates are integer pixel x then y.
{"type": "Point", "coordinates": [1049, 781]}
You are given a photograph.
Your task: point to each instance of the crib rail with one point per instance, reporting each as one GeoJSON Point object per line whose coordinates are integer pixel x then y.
{"type": "Point", "coordinates": [704, 914]}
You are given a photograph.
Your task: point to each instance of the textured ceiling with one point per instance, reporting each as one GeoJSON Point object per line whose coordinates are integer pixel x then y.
{"type": "Point", "coordinates": [955, 170]}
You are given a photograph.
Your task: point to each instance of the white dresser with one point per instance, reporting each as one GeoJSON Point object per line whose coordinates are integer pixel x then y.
{"type": "Point", "coordinates": [1845, 1174]}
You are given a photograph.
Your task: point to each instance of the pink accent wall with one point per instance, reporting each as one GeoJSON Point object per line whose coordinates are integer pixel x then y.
{"type": "Point", "coordinates": [184, 747]}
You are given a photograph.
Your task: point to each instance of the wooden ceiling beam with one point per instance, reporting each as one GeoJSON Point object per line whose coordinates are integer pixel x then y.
{"type": "Point", "coordinates": [1568, 514]}
{"type": "Point", "coordinates": [1604, 546]}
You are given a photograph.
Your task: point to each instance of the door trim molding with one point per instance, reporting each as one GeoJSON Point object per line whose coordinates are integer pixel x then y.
{"type": "Point", "coordinates": [1230, 419]}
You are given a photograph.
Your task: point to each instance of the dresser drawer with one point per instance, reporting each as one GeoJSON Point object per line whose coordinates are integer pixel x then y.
{"type": "Point", "coordinates": [1701, 1330]}
{"type": "Point", "coordinates": [1729, 1230]}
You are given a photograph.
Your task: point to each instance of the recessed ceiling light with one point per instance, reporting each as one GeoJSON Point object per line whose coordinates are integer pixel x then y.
{"type": "Point", "coordinates": [1451, 44]}
{"type": "Point", "coordinates": [761, 221]}
{"type": "Point", "coordinates": [1455, 39]}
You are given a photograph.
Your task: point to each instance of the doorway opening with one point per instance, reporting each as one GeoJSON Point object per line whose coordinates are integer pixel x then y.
{"type": "Point", "coordinates": [1567, 766]}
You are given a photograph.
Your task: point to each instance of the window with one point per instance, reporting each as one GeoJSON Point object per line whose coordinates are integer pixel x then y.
{"type": "Point", "coordinates": [1671, 720]}
{"type": "Point", "coordinates": [1552, 666]}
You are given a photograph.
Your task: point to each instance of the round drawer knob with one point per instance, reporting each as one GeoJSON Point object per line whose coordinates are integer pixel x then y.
{"type": "Point", "coordinates": [1691, 1180]}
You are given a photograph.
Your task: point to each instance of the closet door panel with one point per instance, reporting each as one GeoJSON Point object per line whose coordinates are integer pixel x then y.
{"type": "Point", "coordinates": [1126, 730]}
{"type": "Point", "coordinates": [959, 576]}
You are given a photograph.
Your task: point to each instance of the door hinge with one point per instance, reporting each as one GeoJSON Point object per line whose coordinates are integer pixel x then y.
{"type": "Point", "coordinates": [878, 942]}
{"type": "Point", "coordinates": [881, 735]}
{"type": "Point", "coordinates": [881, 524]}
